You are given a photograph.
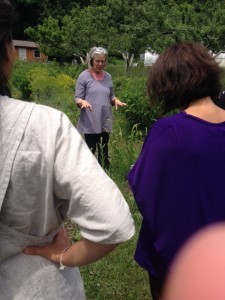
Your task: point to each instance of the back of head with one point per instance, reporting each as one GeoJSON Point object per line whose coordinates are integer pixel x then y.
{"type": "Point", "coordinates": [6, 23]}
{"type": "Point", "coordinates": [184, 72]}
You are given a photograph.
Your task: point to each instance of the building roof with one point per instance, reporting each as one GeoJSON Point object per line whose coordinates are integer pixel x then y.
{"type": "Point", "coordinates": [25, 44]}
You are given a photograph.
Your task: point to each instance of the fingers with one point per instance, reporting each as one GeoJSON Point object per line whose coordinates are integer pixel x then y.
{"type": "Point", "coordinates": [119, 103]}
{"type": "Point", "coordinates": [87, 106]}
{"type": "Point", "coordinates": [122, 104]}
{"type": "Point", "coordinates": [51, 253]}
{"type": "Point", "coordinates": [33, 251]}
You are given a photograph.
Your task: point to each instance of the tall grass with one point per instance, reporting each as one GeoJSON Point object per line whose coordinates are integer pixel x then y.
{"type": "Point", "coordinates": [133, 72]}
{"type": "Point", "coordinates": [117, 276]}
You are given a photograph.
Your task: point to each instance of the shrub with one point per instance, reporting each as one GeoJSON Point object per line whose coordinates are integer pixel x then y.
{"type": "Point", "coordinates": [20, 78]}
{"type": "Point", "coordinates": [133, 92]}
{"type": "Point", "coordinates": [57, 92]}
{"type": "Point", "coordinates": [73, 70]}
{"type": "Point", "coordinates": [45, 83]}
{"type": "Point", "coordinates": [22, 71]}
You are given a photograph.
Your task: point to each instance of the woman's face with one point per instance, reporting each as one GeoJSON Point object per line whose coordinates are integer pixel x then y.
{"type": "Point", "coordinates": [98, 63]}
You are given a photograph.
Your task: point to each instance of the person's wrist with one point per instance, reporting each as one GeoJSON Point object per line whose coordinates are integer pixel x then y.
{"type": "Point", "coordinates": [114, 100]}
{"type": "Point", "coordinates": [80, 103]}
{"type": "Point", "coordinates": [61, 265]}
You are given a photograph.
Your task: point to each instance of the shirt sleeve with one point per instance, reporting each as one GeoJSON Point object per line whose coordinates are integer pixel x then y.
{"type": "Point", "coordinates": [112, 93]}
{"type": "Point", "coordinates": [80, 88]}
{"type": "Point", "coordinates": [154, 177]}
{"type": "Point", "coordinates": [89, 197]}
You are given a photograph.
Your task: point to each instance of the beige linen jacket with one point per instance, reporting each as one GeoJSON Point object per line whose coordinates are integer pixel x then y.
{"type": "Point", "coordinates": [48, 174]}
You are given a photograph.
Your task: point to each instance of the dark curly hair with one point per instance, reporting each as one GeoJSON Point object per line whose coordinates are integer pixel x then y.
{"type": "Point", "coordinates": [184, 72]}
{"type": "Point", "coordinates": [7, 17]}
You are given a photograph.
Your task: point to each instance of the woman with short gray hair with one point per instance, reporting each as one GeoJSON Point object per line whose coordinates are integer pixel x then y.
{"type": "Point", "coordinates": [94, 94]}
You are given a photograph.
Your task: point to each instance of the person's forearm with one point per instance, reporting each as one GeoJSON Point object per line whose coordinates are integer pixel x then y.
{"type": "Point", "coordinates": [85, 252]}
{"type": "Point", "coordinates": [78, 254]}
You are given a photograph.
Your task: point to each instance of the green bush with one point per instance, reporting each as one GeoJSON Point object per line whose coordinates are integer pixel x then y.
{"type": "Point", "coordinates": [73, 70]}
{"type": "Point", "coordinates": [47, 84]}
{"type": "Point", "coordinates": [133, 92]}
{"type": "Point", "coordinates": [42, 84]}
{"type": "Point", "coordinates": [20, 78]}
{"type": "Point", "coordinates": [57, 92]}
{"type": "Point", "coordinates": [22, 72]}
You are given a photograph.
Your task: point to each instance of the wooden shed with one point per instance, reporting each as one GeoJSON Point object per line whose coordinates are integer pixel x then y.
{"type": "Point", "coordinates": [27, 50]}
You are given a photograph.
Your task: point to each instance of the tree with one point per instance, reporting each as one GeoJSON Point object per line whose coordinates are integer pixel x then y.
{"type": "Point", "coordinates": [158, 24]}
{"type": "Point", "coordinates": [50, 37]}
{"type": "Point", "coordinates": [80, 30]}
{"type": "Point", "coordinates": [127, 26]}
{"type": "Point", "coordinates": [31, 13]}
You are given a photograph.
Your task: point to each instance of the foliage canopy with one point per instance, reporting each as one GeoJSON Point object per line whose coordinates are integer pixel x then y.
{"type": "Point", "coordinates": [71, 27]}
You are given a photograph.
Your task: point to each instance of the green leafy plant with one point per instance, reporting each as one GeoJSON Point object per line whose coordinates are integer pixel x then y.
{"type": "Point", "coordinates": [133, 92]}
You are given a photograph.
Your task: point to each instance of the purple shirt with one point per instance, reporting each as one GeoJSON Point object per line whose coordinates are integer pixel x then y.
{"type": "Point", "coordinates": [99, 93]}
{"type": "Point", "coordinates": [178, 183]}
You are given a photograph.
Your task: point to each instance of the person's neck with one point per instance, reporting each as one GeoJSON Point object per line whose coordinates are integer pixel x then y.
{"type": "Point", "coordinates": [97, 75]}
{"type": "Point", "coordinates": [206, 109]}
{"type": "Point", "coordinates": [201, 103]}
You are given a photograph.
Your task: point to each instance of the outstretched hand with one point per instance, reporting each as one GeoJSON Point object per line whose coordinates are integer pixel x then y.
{"type": "Point", "coordinates": [86, 104]}
{"type": "Point", "coordinates": [119, 103]}
{"type": "Point", "coordinates": [51, 252]}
